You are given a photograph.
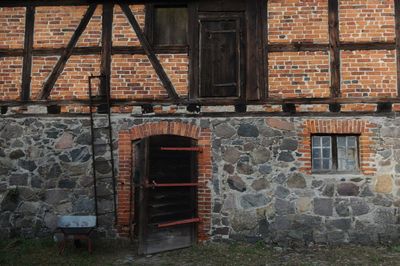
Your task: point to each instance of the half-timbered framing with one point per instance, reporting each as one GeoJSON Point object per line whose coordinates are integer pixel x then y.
{"type": "Point", "coordinates": [256, 89]}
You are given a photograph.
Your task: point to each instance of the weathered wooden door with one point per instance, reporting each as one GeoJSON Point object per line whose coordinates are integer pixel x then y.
{"type": "Point", "coordinates": [166, 202]}
{"type": "Point", "coordinates": [221, 54]}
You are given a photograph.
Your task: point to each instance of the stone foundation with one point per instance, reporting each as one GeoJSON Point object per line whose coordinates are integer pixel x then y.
{"type": "Point", "coordinates": [261, 188]}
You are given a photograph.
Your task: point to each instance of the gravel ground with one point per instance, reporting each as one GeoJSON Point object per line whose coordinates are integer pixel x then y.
{"type": "Point", "coordinates": [44, 252]}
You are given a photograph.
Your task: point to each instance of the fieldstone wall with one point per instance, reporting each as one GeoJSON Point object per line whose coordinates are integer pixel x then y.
{"type": "Point", "coordinates": [259, 191]}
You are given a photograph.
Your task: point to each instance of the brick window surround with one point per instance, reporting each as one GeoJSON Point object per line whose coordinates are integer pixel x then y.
{"type": "Point", "coordinates": [203, 138]}
{"type": "Point", "coordinates": [327, 126]}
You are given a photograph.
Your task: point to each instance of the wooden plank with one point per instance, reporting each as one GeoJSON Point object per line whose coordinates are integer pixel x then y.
{"type": "Point", "coordinates": [150, 52]}
{"type": "Point", "coordinates": [206, 102]}
{"type": "Point", "coordinates": [106, 44]}
{"type": "Point", "coordinates": [367, 46]}
{"type": "Point", "coordinates": [187, 221]}
{"type": "Point", "coordinates": [48, 86]}
{"type": "Point", "coordinates": [21, 3]}
{"type": "Point", "coordinates": [94, 50]}
{"type": "Point", "coordinates": [397, 28]}
{"type": "Point", "coordinates": [333, 18]}
{"type": "Point", "coordinates": [264, 46]}
{"type": "Point", "coordinates": [28, 44]}
{"type": "Point", "coordinates": [252, 57]}
{"type": "Point", "coordinates": [197, 149]}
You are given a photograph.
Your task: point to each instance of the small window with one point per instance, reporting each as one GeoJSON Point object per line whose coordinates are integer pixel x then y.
{"type": "Point", "coordinates": [335, 153]}
{"type": "Point", "coordinates": [167, 25]}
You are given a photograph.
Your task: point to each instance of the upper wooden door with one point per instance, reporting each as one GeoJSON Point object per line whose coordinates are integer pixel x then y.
{"type": "Point", "coordinates": [221, 54]}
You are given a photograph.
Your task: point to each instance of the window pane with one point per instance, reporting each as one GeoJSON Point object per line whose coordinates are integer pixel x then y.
{"type": "Point", "coordinates": [317, 164]}
{"type": "Point", "coordinates": [326, 164]}
{"type": "Point", "coordinates": [316, 153]}
{"type": "Point", "coordinates": [326, 141]}
{"type": "Point", "coordinates": [347, 155]}
{"type": "Point", "coordinates": [326, 152]}
{"type": "Point", "coordinates": [341, 141]}
{"type": "Point", "coordinates": [170, 25]}
{"type": "Point", "coordinates": [316, 141]}
{"type": "Point", "coordinates": [351, 141]}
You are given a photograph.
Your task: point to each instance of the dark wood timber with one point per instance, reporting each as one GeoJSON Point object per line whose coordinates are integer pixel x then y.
{"type": "Point", "coordinates": [96, 50]}
{"type": "Point", "coordinates": [397, 21]}
{"type": "Point", "coordinates": [367, 46]}
{"type": "Point", "coordinates": [48, 86]}
{"type": "Point", "coordinates": [204, 102]}
{"type": "Point", "coordinates": [28, 44]}
{"type": "Point", "coordinates": [297, 47]}
{"type": "Point", "coordinates": [265, 49]}
{"type": "Point", "coordinates": [17, 3]}
{"type": "Point", "coordinates": [333, 18]}
{"type": "Point", "coordinates": [106, 44]}
{"type": "Point", "coordinates": [150, 53]}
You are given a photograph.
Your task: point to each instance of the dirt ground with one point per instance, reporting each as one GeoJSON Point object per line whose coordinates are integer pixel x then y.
{"type": "Point", "coordinates": [44, 252]}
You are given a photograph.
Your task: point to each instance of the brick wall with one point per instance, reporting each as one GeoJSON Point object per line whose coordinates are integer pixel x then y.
{"type": "Point", "coordinates": [203, 137]}
{"type": "Point", "coordinates": [10, 77]}
{"type": "Point", "coordinates": [123, 34]}
{"type": "Point", "coordinates": [298, 74]}
{"type": "Point", "coordinates": [54, 26]}
{"type": "Point", "coordinates": [72, 83]}
{"type": "Point", "coordinates": [133, 76]}
{"type": "Point", "coordinates": [368, 74]}
{"type": "Point", "coordinates": [298, 21]}
{"type": "Point", "coordinates": [364, 128]}
{"type": "Point", "coordinates": [363, 21]}
{"type": "Point", "coordinates": [12, 27]}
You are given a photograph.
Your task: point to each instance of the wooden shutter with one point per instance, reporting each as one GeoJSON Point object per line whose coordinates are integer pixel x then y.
{"type": "Point", "coordinates": [221, 65]}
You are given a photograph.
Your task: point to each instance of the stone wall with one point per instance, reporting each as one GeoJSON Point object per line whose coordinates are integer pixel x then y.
{"type": "Point", "coordinates": [259, 190]}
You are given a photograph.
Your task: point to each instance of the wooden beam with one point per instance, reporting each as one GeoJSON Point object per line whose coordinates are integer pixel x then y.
{"type": "Point", "coordinates": [150, 52]}
{"type": "Point", "coordinates": [333, 18]}
{"type": "Point", "coordinates": [263, 7]}
{"type": "Point", "coordinates": [367, 46]}
{"type": "Point", "coordinates": [28, 44]}
{"type": "Point", "coordinates": [397, 28]}
{"type": "Point", "coordinates": [106, 44]}
{"type": "Point", "coordinates": [95, 50]}
{"type": "Point", "coordinates": [48, 86]}
{"type": "Point", "coordinates": [297, 47]}
{"type": "Point", "coordinates": [206, 102]}
{"type": "Point", "coordinates": [22, 3]}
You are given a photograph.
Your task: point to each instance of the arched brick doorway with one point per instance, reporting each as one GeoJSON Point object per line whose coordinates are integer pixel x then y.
{"type": "Point", "coordinates": [202, 136]}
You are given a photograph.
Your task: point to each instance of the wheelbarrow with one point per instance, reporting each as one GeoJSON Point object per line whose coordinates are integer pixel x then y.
{"type": "Point", "coordinates": [76, 228]}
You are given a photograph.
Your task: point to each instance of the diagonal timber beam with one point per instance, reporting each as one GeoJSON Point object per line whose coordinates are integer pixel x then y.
{"type": "Point", "coordinates": [49, 84]}
{"type": "Point", "coordinates": [150, 52]}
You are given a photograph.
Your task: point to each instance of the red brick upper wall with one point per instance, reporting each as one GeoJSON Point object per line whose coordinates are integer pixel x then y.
{"type": "Point", "coordinates": [366, 20]}
{"type": "Point", "coordinates": [12, 27]}
{"type": "Point", "coordinates": [298, 21]}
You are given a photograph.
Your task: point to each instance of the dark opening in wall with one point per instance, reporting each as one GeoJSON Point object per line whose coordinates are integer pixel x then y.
{"type": "Point", "coordinates": [53, 109]}
{"type": "Point", "coordinates": [3, 110]}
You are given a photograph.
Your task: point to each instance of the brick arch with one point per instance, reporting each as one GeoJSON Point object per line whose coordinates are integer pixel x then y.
{"type": "Point", "coordinates": [203, 137]}
{"type": "Point", "coordinates": [330, 126]}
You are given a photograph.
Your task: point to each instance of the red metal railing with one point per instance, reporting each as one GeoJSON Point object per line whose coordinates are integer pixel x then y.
{"type": "Point", "coordinates": [187, 221]}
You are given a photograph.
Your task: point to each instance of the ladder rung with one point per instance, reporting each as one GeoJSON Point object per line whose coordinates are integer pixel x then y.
{"type": "Point", "coordinates": [104, 178]}
{"type": "Point", "coordinates": [104, 196]}
{"type": "Point", "coordinates": [102, 161]}
{"type": "Point", "coordinates": [101, 144]}
{"type": "Point", "coordinates": [106, 127]}
{"type": "Point", "coordinates": [104, 213]}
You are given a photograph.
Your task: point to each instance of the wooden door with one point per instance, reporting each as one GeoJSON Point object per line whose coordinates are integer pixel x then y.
{"type": "Point", "coordinates": [167, 204]}
{"type": "Point", "coordinates": [221, 54]}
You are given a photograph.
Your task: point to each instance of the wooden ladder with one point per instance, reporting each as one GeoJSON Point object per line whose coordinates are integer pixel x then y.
{"type": "Point", "coordinates": [103, 181]}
